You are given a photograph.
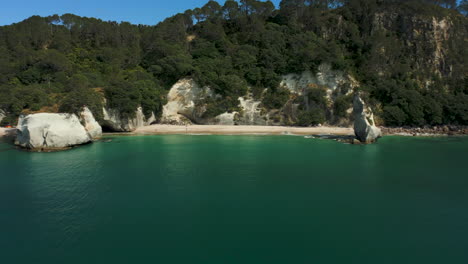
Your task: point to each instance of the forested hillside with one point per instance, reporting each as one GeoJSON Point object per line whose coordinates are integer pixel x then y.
{"type": "Point", "coordinates": [409, 57]}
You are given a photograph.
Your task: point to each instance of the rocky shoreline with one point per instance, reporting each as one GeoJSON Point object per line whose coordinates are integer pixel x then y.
{"type": "Point", "coordinates": [426, 131]}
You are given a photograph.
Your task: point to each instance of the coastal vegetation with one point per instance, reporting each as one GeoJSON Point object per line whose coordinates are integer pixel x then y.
{"type": "Point", "coordinates": [415, 74]}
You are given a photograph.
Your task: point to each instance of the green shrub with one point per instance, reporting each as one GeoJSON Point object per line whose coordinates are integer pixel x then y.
{"type": "Point", "coordinates": [313, 117]}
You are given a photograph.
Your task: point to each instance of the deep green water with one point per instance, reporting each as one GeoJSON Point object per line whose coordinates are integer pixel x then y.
{"type": "Point", "coordinates": [237, 199]}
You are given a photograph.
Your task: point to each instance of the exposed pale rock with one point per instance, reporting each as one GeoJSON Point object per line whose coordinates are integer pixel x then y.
{"type": "Point", "coordinates": [152, 119]}
{"type": "Point", "coordinates": [181, 107]}
{"type": "Point", "coordinates": [90, 124]}
{"type": "Point", "coordinates": [325, 76]}
{"type": "Point", "coordinates": [2, 115]}
{"type": "Point", "coordinates": [435, 32]}
{"type": "Point", "coordinates": [251, 113]}
{"type": "Point", "coordinates": [441, 35]}
{"type": "Point", "coordinates": [364, 124]}
{"type": "Point", "coordinates": [181, 102]}
{"type": "Point", "coordinates": [226, 119]}
{"type": "Point", "coordinates": [114, 121]}
{"type": "Point", "coordinates": [336, 84]}
{"type": "Point", "coordinates": [50, 131]}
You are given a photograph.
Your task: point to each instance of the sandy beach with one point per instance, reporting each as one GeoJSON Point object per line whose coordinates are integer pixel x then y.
{"type": "Point", "coordinates": [242, 130]}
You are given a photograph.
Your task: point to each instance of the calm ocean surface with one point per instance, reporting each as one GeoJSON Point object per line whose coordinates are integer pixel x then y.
{"type": "Point", "coordinates": [237, 199]}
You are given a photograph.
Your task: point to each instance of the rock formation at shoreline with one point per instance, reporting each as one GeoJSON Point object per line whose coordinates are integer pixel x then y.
{"type": "Point", "coordinates": [46, 132]}
{"type": "Point", "coordinates": [181, 102]}
{"type": "Point", "coordinates": [364, 124]}
{"type": "Point", "coordinates": [90, 124]}
{"type": "Point", "coordinates": [115, 122]}
{"type": "Point", "coordinates": [186, 101]}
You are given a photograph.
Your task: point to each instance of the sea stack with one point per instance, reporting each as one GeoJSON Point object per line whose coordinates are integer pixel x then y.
{"type": "Point", "coordinates": [364, 124]}
{"type": "Point", "coordinates": [51, 132]}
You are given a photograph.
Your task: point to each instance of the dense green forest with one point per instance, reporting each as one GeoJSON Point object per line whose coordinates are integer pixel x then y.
{"type": "Point", "coordinates": [60, 63]}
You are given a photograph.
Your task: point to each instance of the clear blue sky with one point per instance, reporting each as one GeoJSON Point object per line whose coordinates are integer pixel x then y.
{"type": "Point", "coordinates": [147, 12]}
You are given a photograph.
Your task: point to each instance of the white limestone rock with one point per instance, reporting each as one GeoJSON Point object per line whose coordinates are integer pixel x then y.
{"type": "Point", "coordinates": [50, 132]}
{"type": "Point", "coordinates": [2, 115]}
{"type": "Point", "coordinates": [364, 124]}
{"type": "Point", "coordinates": [181, 102]}
{"type": "Point", "coordinates": [251, 112]}
{"type": "Point", "coordinates": [325, 76]}
{"type": "Point", "coordinates": [336, 83]}
{"type": "Point", "coordinates": [114, 121]}
{"type": "Point", "coordinates": [226, 119]}
{"type": "Point", "coordinates": [90, 124]}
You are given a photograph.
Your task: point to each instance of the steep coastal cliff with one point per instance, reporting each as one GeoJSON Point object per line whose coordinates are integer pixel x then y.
{"type": "Point", "coordinates": [245, 63]}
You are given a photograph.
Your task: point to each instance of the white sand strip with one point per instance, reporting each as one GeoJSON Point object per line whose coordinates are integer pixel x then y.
{"type": "Point", "coordinates": [243, 130]}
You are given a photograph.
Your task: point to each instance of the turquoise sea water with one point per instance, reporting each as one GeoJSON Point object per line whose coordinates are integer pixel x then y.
{"type": "Point", "coordinates": [237, 199]}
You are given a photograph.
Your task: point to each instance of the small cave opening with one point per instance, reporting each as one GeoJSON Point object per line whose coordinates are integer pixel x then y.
{"type": "Point", "coordinates": [108, 129]}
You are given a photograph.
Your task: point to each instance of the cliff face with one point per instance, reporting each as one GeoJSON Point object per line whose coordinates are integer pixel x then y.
{"type": "Point", "coordinates": [181, 102]}
{"type": "Point", "coordinates": [428, 40]}
{"type": "Point", "coordinates": [114, 122]}
{"type": "Point", "coordinates": [90, 124]}
{"type": "Point", "coordinates": [2, 115]}
{"type": "Point", "coordinates": [185, 101]}
{"type": "Point", "coordinates": [325, 76]}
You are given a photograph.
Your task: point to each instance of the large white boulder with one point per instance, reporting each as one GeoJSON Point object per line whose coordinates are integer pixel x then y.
{"type": "Point", "coordinates": [90, 124]}
{"type": "Point", "coordinates": [114, 121]}
{"type": "Point", "coordinates": [364, 124]}
{"type": "Point", "coordinates": [181, 102]}
{"type": "Point", "coordinates": [50, 131]}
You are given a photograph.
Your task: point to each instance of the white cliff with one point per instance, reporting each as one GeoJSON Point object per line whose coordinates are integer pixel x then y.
{"type": "Point", "coordinates": [90, 124]}
{"type": "Point", "coordinates": [251, 112]}
{"type": "Point", "coordinates": [2, 115]}
{"type": "Point", "coordinates": [325, 77]}
{"type": "Point", "coordinates": [336, 83]}
{"type": "Point", "coordinates": [364, 124]}
{"type": "Point", "coordinates": [226, 119]}
{"type": "Point", "coordinates": [114, 121]}
{"type": "Point", "coordinates": [181, 102]}
{"type": "Point", "coordinates": [50, 131]}
{"type": "Point", "coordinates": [181, 107]}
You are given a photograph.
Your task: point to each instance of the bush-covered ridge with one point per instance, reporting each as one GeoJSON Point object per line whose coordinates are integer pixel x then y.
{"type": "Point", "coordinates": [408, 55]}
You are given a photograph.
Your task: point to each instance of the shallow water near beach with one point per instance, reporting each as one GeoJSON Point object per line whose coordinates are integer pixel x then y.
{"type": "Point", "coordinates": [236, 199]}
